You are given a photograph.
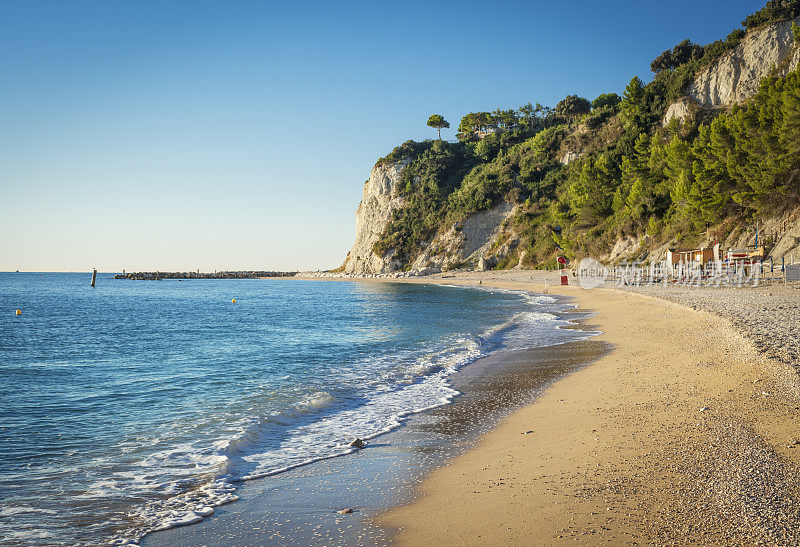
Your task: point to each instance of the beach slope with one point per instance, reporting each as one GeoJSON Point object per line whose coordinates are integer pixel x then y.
{"type": "Point", "coordinates": [683, 433]}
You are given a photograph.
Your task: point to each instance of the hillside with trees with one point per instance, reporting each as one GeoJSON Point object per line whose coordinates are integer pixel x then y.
{"type": "Point", "coordinates": [584, 174]}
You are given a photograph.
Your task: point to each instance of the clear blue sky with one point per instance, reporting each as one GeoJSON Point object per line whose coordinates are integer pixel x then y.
{"type": "Point", "coordinates": [238, 135]}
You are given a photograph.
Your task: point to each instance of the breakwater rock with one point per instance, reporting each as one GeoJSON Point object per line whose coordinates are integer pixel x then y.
{"type": "Point", "coordinates": [158, 276]}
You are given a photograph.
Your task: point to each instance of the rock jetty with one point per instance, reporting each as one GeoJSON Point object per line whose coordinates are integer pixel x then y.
{"type": "Point", "coordinates": [158, 276]}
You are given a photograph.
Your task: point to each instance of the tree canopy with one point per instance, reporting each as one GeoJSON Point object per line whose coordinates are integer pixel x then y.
{"type": "Point", "coordinates": [678, 55]}
{"type": "Point", "coordinates": [572, 107]}
{"type": "Point", "coordinates": [775, 10]}
{"type": "Point", "coordinates": [606, 99]}
{"type": "Point", "coordinates": [438, 122]}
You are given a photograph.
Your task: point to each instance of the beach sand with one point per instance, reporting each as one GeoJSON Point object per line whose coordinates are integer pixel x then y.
{"type": "Point", "coordinates": [684, 433]}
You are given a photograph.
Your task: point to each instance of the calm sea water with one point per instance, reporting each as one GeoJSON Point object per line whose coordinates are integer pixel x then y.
{"type": "Point", "coordinates": [137, 406]}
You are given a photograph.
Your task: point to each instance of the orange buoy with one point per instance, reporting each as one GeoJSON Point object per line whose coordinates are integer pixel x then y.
{"type": "Point", "coordinates": [234, 301]}
{"type": "Point", "coordinates": [19, 312]}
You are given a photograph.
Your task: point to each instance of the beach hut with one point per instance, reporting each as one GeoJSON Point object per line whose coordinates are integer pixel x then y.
{"type": "Point", "coordinates": [678, 261]}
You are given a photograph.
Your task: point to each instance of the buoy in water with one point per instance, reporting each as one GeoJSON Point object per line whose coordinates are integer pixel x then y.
{"type": "Point", "coordinates": [234, 301]}
{"type": "Point", "coordinates": [19, 312]}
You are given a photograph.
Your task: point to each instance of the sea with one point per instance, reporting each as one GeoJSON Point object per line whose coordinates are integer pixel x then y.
{"type": "Point", "coordinates": [137, 406]}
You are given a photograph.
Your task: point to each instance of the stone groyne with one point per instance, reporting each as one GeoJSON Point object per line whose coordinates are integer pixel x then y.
{"type": "Point", "coordinates": [158, 276]}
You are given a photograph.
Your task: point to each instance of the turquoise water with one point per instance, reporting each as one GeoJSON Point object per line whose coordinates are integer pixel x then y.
{"type": "Point", "coordinates": [138, 406]}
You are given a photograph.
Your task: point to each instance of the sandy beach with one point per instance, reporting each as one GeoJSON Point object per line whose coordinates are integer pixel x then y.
{"type": "Point", "coordinates": [676, 425]}
{"type": "Point", "coordinates": [686, 432]}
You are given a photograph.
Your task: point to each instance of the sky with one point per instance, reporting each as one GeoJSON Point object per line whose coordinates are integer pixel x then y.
{"type": "Point", "coordinates": [214, 135]}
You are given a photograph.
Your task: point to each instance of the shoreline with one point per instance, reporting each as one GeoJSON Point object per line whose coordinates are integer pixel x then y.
{"type": "Point", "coordinates": [301, 505]}
{"type": "Point", "coordinates": [685, 432]}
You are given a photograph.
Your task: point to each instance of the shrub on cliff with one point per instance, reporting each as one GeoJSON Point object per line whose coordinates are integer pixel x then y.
{"type": "Point", "coordinates": [774, 10]}
{"type": "Point", "coordinates": [675, 57]}
{"type": "Point", "coordinates": [606, 100]}
{"type": "Point", "coordinates": [407, 150]}
{"type": "Point", "coordinates": [572, 107]}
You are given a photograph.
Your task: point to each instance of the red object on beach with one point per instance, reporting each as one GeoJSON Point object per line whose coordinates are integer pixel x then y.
{"type": "Point", "coordinates": [563, 262]}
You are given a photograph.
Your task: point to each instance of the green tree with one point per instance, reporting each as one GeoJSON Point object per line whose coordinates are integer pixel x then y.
{"type": "Point", "coordinates": [636, 180]}
{"type": "Point", "coordinates": [677, 56]}
{"type": "Point", "coordinates": [469, 124]}
{"type": "Point", "coordinates": [662, 62]}
{"type": "Point", "coordinates": [572, 107]}
{"type": "Point", "coordinates": [790, 128]}
{"type": "Point", "coordinates": [438, 122]}
{"type": "Point", "coordinates": [774, 10]}
{"type": "Point", "coordinates": [528, 115]}
{"type": "Point", "coordinates": [634, 104]}
{"type": "Point", "coordinates": [507, 119]}
{"type": "Point", "coordinates": [590, 191]}
{"type": "Point", "coordinates": [712, 189]}
{"type": "Point", "coordinates": [678, 169]}
{"type": "Point", "coordinates": [606, 99]}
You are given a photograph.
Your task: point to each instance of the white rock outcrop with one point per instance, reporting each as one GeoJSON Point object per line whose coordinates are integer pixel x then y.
{"type": "Point", "coordinates": [735, 77]}
{"type": "Point", "coordinates": [378, 201]}
{"type": "Point", "coordinates": [680, 110]}
{"type": "Point", "coordinates": [625, 248]}
{"type": "Point", "coordinates": [569, 156]}
{"type": "Point", "coordinates": [468, 241]}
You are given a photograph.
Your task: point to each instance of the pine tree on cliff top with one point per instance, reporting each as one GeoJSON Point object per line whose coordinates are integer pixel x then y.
{"type": "Point", "coordinates": [438, 122]}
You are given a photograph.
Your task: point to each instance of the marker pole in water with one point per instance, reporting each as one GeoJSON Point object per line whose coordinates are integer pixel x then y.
{"type": "Point", "coordinates": [94, 276]}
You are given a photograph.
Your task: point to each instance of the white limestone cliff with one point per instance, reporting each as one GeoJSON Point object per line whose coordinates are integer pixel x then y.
{"type": "Point", "coordinates": [379, 200]}
{"type": "Point", "coordinates": [466, 242]}
{"type": "Point", "coordinates": [735, 76]}
{"type": "Point", "coordinates": [680, 109]}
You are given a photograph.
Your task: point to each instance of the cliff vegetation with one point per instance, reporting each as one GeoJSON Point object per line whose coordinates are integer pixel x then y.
{"type": "Point", "coordinates": [584, 175]}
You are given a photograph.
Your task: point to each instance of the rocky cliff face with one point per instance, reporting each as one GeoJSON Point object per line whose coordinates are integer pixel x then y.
{"type": "Point", "coordinates": [466, 242]}
{"type": "Point", "coordinates": [378, 201]}
{"type": "Point", "coordinates": [735, 77]}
